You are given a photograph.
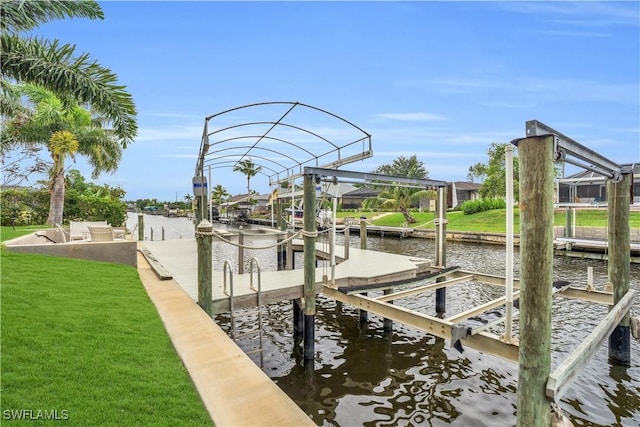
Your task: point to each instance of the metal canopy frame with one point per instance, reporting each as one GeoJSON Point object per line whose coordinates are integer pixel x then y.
{"type": "Point", "coordinates": [565, 146]}
{"type": "Point", "coordinates": [333, 174]}
{"type": "Point", "coordinates": [283, 146]}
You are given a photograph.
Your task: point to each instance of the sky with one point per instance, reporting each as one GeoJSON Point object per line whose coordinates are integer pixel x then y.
{"type": "Point", "coordinates": [441, 80]}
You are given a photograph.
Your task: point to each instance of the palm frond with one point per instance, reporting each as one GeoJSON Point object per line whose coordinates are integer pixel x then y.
{"type": "Point", "coordinates": [21, 15]}
{"type": "Point", "coordinates": [52, 65]}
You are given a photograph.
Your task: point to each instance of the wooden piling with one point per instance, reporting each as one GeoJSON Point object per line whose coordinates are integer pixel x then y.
{"type": "Point", "coordinates": [569, 225]}
{"type": "Point", "coordinates": [279, 219]}
{"type": "Point", "coordinates": [140, 227]}
{"type": "Point", "coordinates": [240, 252]}
{"type": "Point", "coordinates": [151, 238]}
{"type": "Point", "coordinates": [364, 314]}
{"type": "Point", "coordinates": [363, 233]}
{"type": "Point", "coordinates": [280, 253]}
{"type": "Point", "coordinates": [441, 249]}
{"type": "Point", "coordinates": [309, 293]}
{"type": "Point", "coordinates": [618, 199]}
{"type": "Point", "coordinates": [346, 241]}
{"type": "Point", "coordinates": [536, 277]}
{"type": "Point", "coordinates": [290, 260]}
{"type": "Point", "coordinates": [204, 243]}
{"type": "Point", "coordinates": [163, 233]}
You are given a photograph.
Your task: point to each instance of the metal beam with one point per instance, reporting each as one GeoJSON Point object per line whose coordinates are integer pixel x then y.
{"type": "Point", "coordinates": [567, 146]}
{"type": "Point", "coordinates": [480, 308]}
{"type": "Point", "coordinates": [366, 176]}
{"type": "Point", "coordinates": [422, 289]}
{"type": "Point", "coordinates": [571, 366]}
{"type": "Point", "coordinates": [485, 342]}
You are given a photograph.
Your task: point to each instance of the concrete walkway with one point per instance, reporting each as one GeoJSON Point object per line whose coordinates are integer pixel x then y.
{"type": "Point", "coordinates": [233, 389]}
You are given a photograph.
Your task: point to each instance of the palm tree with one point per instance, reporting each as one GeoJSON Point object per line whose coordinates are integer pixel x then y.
{"type": "Point", "coordinates": [65, 129]}
{"type": "Point", "coordinates": [248, 168]}
{"type": "Point", "coordinates": [218, 193]}
{"type": "Point", "coordinates": [49, 64]}
{"type": "Point", "coordinates": [400, 199]}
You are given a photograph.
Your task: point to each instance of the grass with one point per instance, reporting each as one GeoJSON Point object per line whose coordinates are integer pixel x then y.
{"type": "Point", "coordinates": [489, 221]}
{"type": "Point", "coordinates": [82, 338]}
{"type": "Point", "coordinates": [8, 233]}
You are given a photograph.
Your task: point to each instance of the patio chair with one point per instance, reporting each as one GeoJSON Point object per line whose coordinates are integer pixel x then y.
{"type": "Point", "coordinates": [79, 230]}
{"type": "Point", "coordinates": [101, 233]}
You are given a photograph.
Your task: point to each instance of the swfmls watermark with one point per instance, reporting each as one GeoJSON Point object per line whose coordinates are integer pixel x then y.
{"type": "Point", "coordinates": [35, 414]}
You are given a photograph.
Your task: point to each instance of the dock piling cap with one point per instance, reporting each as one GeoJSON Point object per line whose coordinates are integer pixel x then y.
{"type": "Point", "coordinates": [205, 226]}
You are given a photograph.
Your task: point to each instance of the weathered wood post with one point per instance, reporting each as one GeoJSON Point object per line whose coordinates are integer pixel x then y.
{"type": "Point", "coordinates": [346, 240]}
{"type": "Point", "coordinates": [204, 238]}
{"type": "Point", "coordinates": [162, 233]}
{"type": "Point", "coordinates": [310, 231]}
{"type": "Point", "coordinates": [618, 199]}
{"type": "Point", "coordinates": [568, 232]}
{"type": "Point", "coordinates": [240, 251]}
{"type": "Point", "coordinates": [441, 248]}
{"type": "Point", "coordinates": [290, 264]}
{"type": "Point", "coordinates": [508, 324]}
{"type": "Point", "coordinates": [140, 227]}
{"type": "Point", "coordinates": [280, 252]}
{"type": "Point", "coordinates": [536, 277]}
{"type": "Point", "coordinates": [151, 234]}
{"type": "Point", "coordinates": [364, 314]}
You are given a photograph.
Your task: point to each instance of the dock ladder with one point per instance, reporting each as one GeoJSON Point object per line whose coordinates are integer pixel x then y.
{"type": "Point", "coordinates": [259, 331]}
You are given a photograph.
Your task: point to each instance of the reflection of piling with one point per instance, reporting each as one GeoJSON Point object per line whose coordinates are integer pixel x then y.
{"type": "Point", "coordinates": [618, 267]}
{"type": "Point", "coordinates": [536, 276]}
{"type": "Point", "coordinates": [387, 324]}
{"type": "Point", "coordinates": [298, 320]}
{"type": "Point", "coordinates": [204, 240]}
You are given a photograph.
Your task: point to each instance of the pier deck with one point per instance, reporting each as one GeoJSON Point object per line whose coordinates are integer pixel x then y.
{"type": "Point", "coordinates": [362, 268]}
{"type": "Point", "coordinates": [590, 248]}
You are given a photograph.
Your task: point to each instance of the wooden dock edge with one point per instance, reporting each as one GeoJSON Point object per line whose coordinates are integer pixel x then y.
{"type": "Point", "coordinates": [161, 272]}
{"type": "Point", "coordinates": [234, 391]}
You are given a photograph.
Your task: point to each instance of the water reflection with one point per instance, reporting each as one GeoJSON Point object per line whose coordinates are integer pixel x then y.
{"type": "Point", "coordinates": [366, 377]}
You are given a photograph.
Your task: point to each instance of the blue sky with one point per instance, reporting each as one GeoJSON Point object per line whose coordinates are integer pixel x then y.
{"type": "Point", "coordinates": [441, 80]}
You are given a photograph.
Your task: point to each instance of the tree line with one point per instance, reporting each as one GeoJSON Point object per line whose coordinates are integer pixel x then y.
{"type": "Point", "coordinates": [53, 99]}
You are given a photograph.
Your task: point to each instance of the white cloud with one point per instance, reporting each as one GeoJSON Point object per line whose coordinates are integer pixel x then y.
{"type": "Point", "coordinates": [583, 13]}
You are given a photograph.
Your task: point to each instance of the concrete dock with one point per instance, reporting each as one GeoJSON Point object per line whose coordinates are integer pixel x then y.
{"type": "Point", "coordinates": [233, 389]}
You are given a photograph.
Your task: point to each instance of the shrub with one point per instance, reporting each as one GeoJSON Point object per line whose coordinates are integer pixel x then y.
{"type": "Point", "coordinates": [473, 206]}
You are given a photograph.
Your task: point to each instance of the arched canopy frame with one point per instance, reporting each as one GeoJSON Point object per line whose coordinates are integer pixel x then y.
{"type": "Point", "coordinates": [301, 135]}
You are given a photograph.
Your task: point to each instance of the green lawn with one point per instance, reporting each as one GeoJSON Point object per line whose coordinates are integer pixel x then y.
{"type": "Point", "coordinates": [8, 233]}
{"type": "Point", "coordinates": [83, 338]}
{"type": "Point", "coordinates": [489, 221]}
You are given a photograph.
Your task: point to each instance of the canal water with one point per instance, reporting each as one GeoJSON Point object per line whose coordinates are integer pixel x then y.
{"type": "Point", "coordinates": [364, 376]}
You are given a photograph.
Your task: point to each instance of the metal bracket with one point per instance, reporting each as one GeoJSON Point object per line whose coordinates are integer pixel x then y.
{"type": "Point", "coordinates": [565, 147]}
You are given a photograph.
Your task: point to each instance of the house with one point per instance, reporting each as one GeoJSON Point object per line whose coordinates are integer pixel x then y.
{"type": "Point", "coordinates": [590, 187]}
{"type": "Point", "coordinates": [353, 199]}
{"type": "Point", "coordinates": [459, 192]}
{"type": "Point", "coordinates": [323, 191]}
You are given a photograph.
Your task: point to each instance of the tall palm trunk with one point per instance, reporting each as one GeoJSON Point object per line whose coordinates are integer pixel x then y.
{"type": "Point", "coordinates": [56, 201]}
